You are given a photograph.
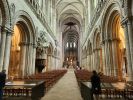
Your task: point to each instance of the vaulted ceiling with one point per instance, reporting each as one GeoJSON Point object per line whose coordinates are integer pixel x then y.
{"type": "Point", "coordinates": [70, 15]}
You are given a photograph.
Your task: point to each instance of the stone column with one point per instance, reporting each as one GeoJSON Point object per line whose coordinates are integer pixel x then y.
{"type": "Point", "coordinates": [57, 62]}
{"type": "Point", "coordinates": [43, 7]}
{"type": "Point", "coordinates": [53, 62]}
{"type": "Point", "coordinates": [49, 62]}
{"type": "Point", "coordinates": [27, 59]}
{"type": "Point", "coordinates": [99, 59]}
{"type": "Point", "coordinates": [94, 67]}
{"type": "Point", "coordinates": [2, 46]}
{"type": "Point", "coordinates": [115, 56]}
{"type": "Point", "coordinates": [0, 34]}
{"type": "Point", "coordinates": [96, 60]}
{"type": "Point", "coordinates": [51, 15]}
{"type": "Point", "coordinates": [7, 50]}
{"type": "Point", "coordinates": [54, 15]}
{"type": "Point", "coordinates": [34, 59]}
{"type": "Point", "coordinates": [88, 62]}
{"type": "Point", "coordinates": [98, 65]}
{"type": "Point", "coordinates": [23, 58]}
{"type": "Point", "coordinates": [91, 62]}
{"type": "Point", "coordinates": [130, 33]}
{"type": "Point", "coordinates": [103, 56]}
{"type": "Point", "coordinates": [129, 61]}
{"type": "Point", "coordinates": [89, 67]}
{"type": "Point", "coordinates": [92, 57]}
{"type": "Point", "coordinates": [49, 12]}
{"type": "Point", "coordinates": [83, 62]}
{"type": "Point", "coordinates": [31, 54]}
{"type": "Point", "coordinates": [111, 59]}
{"type": "Point", "coordinates": [106, 58]}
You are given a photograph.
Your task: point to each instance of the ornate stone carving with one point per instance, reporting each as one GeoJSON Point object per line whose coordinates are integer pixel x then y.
{"type": "Point", "coordinates": [12, 8]}
{"type": "Point", "coordinates": [42, 41]}
{"type": "Point", "coordinates": [6, 30]}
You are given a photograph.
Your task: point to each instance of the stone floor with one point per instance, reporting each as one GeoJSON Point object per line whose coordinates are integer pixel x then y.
{"type": "Point", "coordinates": [65, 89]}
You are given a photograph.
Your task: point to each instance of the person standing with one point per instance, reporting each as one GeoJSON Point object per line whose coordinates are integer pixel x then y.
{"type": "Point", "coordinates": [96, 87]}
{"type": "Point", "coordinates": [2, 82]}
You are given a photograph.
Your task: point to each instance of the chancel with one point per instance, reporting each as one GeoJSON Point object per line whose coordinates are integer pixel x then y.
{"type": "Point", "coordinates": [53, 46]}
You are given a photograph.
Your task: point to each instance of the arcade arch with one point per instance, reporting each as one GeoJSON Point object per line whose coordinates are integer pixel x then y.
{"type": "Point", "coordinates": [22, 60]}
{"type": "Point", "coordinates": [114, 42]}
{"type": "Point", "coordinates": [98, 52]}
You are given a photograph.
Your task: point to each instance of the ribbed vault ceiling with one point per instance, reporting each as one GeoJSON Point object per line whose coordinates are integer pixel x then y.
{"type": "Point", "coordinates": [70, 14]}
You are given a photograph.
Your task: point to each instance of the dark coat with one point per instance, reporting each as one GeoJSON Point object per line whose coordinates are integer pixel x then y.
{"type": "Point", "coordinates": [2, 80]}
{"type": "Point", "coordinates": [95, 81]}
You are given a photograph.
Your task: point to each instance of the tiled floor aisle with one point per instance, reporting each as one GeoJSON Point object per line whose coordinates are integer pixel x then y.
{"type": "Point", "coordinates": [65, 89]}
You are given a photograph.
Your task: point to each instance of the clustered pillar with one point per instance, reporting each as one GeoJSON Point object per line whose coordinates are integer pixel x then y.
{"type": "Point", "coordinates": [129, 46]}
{"type": "Point", "coordinates": [6, 35]}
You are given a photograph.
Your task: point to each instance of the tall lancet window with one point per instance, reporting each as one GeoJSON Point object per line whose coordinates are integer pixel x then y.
{"type": "Point", "coordinates": [67, 45]}
{"type": "Point", "coordinates": [70, 45]}
{"type": "Point", "coordinates": [74, 45]}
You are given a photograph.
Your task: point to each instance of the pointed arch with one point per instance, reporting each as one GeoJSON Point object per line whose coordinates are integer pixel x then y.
{"type": "Point", "coordinates": [50, 49]}
{"type": "Point", "coordinates": [5, 11]}
{"type": "Point", "coordinates": [23, 18]}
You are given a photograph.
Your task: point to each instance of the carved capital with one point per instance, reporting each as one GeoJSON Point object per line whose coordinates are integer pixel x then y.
{"type": "Point", "coordinates": [6, 30]}
{"type": "Point", "coordinates": [103, 42]}
{"type": "Point", "coordinates": [34, 45]}
{"type": "Point", "coordinates": [126, 21]}
{"type": "Point", "coordinates": [23, 43]}
{"type": "Point", "coordinates": [2, 29]}
{"type": "Point", "coordinates": [116, 40]}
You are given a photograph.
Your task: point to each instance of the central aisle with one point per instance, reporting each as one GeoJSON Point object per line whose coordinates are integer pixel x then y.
{"type": "Point", "coordinates": [65, 89]}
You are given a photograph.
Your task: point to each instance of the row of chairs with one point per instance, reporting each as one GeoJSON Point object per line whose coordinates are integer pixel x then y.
{"type": "Point", "coordinates": [109, 79]}
{"type": "Point", "coordinates": [85, 75]}
{"type": "Point", "coordinates": [50, 78]}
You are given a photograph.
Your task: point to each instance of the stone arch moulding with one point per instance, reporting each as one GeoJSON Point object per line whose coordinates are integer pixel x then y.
{"type": "Point", "coordinates": [4, 6]}
{"type": "Point", "coordinates": [132, 8]}
{"type": "Point", "coordinates": [50, 49]}
{"type": "Point", "coordinates": [88, 47]}
{"type": "Point", "coordinates": [22, 16]}
{"type": "Point", "coordinates": [43, 36]}
{"type": "Point", "coordinates": [96, 33]}
{"type": "Point", "coordinates": [105, 18]}
{"type": "Point", "coordinates": [67, 20]}
{"type": "Point", "coordinates": [55, 51]}
{"type": "Point", "coordinates": [70, 19]}
{"type": "Point", "coordinates": [113, 18]}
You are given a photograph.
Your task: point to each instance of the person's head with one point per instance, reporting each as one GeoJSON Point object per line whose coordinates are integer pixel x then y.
{"type": "Point", "coordinates": [3, 71]}
{"type": "Point", "coordinates": [94, 72]}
